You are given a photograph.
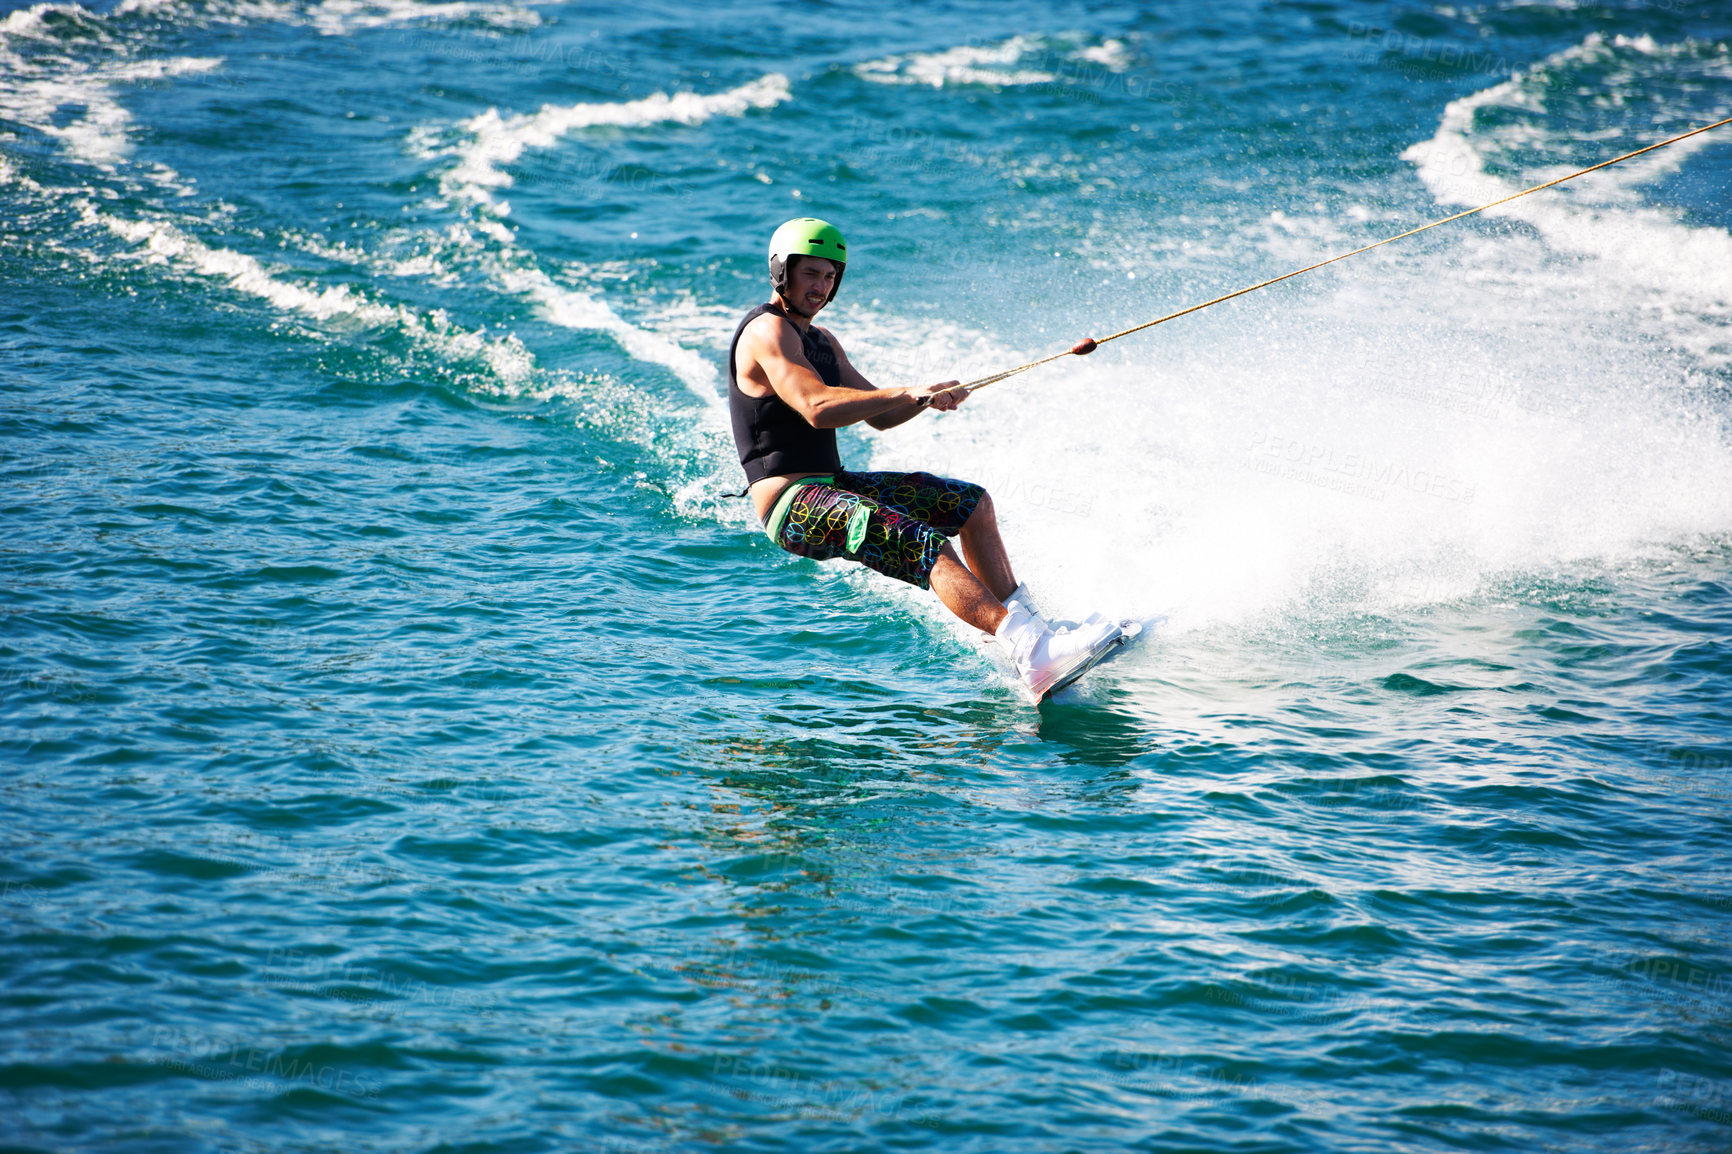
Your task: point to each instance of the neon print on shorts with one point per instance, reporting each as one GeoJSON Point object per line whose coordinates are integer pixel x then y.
{"type": "Point", "coordinates": [898, 520]}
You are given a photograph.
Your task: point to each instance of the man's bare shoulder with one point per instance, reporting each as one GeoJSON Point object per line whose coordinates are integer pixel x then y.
{"type": "Point", "coordinates": [767, 332]}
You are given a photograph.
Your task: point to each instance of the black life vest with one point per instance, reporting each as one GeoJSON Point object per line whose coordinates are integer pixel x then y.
{"type": "Point", "coordinates": [772, 438]}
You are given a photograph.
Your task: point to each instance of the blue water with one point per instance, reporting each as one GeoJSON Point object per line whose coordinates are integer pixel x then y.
{"type": "Point", "coordinates": [409, 746]}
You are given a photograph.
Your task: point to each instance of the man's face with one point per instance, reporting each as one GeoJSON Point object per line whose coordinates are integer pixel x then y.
{"type": "Point", "coordinates": [810, 279]}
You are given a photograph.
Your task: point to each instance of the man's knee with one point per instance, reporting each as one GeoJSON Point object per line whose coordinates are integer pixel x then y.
{"type": "Point", "coordinates": [983, 514]}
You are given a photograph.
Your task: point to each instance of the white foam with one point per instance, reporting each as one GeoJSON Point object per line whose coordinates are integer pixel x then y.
{"type": "Point", "coordinates": [41, 87]}
{"type": "Point", "coordinates": [425, 267]}
{"type": "Point", "coordinates": [1680, 267]}
{"type": "Point", "coordinates": [1644, 43]}
{"type": "Point", "coordinates": [331, 17]}
{"type": "Point", "coordinates": [340, 17]}
{"type": "Point", "coordinates": [575, 309]}
{"type": "Point", "coordinates": [10, 174]}
{"type": "Point", "coordinates": [497, 141]}
{"type": "Point", "coordinates": [162, 242]}
{"type": "Point", "coordinates": [100, 136]}
{"type": "Point", "coordinates": [990, 64]}
{"type": "Point", "coordinates": [684, 316]}
{"type": "Point", "coordinates": [31, 22]}
{"type": "Point", "coordinates": [1108, 53]}
{"type": "Point", "coordinates": [894, 350]}
{"type": "Point", "coordinates": [1216, 489]}
{"type": "Point", "coordinates": [1403, 430]}
{"type": "Point", "coordinates": [613, 405]}
{"type": "Point", "coordinates": [37, 88]}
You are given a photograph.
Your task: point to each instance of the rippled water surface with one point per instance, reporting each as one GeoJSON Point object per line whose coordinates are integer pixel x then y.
{"type": "Point", "coordinates": [407, 745]}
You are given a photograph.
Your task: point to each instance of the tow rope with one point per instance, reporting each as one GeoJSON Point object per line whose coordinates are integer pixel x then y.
{"type": "Point", "coordinates": [1089, 344]}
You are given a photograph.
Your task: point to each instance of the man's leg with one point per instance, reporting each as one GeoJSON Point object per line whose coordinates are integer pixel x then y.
{"type": "Point", "coordinates": [964, 595]}
{"type": "Point", "coordinates": [984, 550]}
{"type": "Point", "coordinates": [939, 502]}
{"type": "Point", "coordinates": [900, 545]}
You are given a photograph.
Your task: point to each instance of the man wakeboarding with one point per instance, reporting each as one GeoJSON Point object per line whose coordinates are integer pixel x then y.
{"type": "Point", "coordinates": [790, 387]}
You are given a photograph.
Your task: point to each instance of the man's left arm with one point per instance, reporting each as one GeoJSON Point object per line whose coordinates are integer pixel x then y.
{"type": "Point", "coordinates": [852, 378]}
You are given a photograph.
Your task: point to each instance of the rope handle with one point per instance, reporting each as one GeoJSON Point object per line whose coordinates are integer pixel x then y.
{"type": "Point", "coordinates": [1089, 344]}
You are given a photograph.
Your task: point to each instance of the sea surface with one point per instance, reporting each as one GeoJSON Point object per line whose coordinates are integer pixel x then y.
{"type": "Point", "coordinates": [407, 744]}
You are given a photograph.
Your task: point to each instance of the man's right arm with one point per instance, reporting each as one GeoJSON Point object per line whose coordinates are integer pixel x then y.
{"type": "Point", "coordinates": [773, 345]}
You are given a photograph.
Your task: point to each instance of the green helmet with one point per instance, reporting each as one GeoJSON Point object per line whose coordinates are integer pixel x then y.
{"type": "Point", "coordinates": [807, 236]}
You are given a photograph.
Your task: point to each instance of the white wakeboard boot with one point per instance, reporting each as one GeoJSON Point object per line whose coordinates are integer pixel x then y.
{"type": "Point", "coordinates": [1019, 598]}
{"type": "Point", "coordinates": [1046, 660]}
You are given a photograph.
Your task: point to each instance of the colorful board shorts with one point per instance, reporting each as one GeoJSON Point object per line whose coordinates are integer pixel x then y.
{"type": "Point", "coordinates": [894, 523]}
